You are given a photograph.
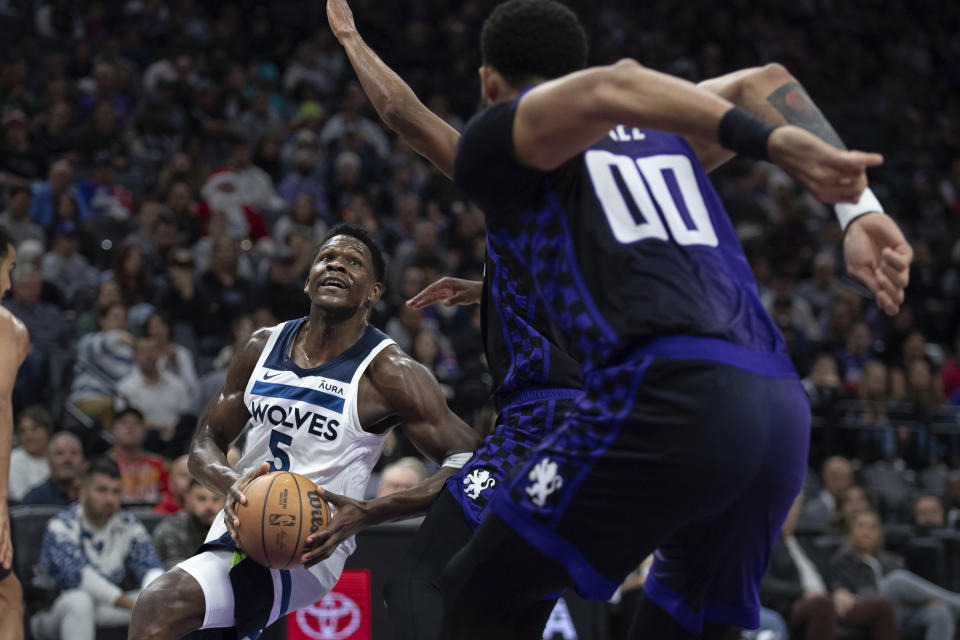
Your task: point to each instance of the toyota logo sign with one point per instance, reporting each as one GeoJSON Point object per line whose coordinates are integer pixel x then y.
{"type": "Point", "coordinates": [343, 614]}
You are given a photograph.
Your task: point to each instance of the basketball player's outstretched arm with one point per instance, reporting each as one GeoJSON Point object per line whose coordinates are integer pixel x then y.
{"type": "Point", "coordinates": [16, 343]}
{"type": "Point", "coordinates": [596, 100]}
{"type": "Point", "coordinates": [398, 386]}
{"type": "Point", "coordinates": [875, 250]}
{"type": "Point", "coordinates": [221, 423]}
{"type": "Point", "coordinates": [398, 106]}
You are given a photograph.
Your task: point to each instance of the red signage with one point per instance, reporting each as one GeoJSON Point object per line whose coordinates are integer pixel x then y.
{"type": "Point", "coordinates": [343, 614]}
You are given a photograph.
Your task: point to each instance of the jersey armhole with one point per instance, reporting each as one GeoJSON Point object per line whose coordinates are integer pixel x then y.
{"type": "Point", "coordinates": [267, 350]}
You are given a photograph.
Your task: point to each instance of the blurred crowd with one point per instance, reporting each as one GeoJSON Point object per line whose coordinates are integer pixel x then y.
{"type": "Point", "coordinates": [167, 168]}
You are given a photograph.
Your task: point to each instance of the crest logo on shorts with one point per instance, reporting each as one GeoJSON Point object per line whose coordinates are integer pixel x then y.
{"type": "Point", "coordinates": [478, 481]}
{"type": "Point", "coordinates": [283, 519]}
{"type": "Point", "coordinates": [545, 481]}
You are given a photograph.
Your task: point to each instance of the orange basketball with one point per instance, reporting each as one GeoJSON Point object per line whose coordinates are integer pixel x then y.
{"type": "Point", "coordinates": [282, 509]}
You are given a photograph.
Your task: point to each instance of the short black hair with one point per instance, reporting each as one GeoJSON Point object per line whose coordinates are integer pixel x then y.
{"type": "Point", "coordinates": [38, 414]}
{"type": "Point", "coordinates": [376, 253]}
{"type": "Point", "coordinates": [527, 40]}
{"type": "Point", "coordinates": [6, 241]}
{"type": "Point", "coordinates": [102, 465]}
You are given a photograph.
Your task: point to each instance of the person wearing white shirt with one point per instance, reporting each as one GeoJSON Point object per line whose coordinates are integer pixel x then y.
{"type": "Point", "coordinates": [161, 396]}
{"type": "Point", "coordinates": [28, 462]}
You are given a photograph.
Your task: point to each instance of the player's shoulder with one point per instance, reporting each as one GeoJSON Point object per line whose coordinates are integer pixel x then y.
{"type": "Point", "coordinates": [12, 327]}
{"type": "Point", "coordinates": [393, 372]}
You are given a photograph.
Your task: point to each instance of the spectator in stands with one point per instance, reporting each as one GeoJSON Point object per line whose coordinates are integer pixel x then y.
{"type": "Point", "coordinates": [87, 550]}
{"type": "Point", "coordinates": [280, 296]}
{"type": "Point", "coordinates": [837, 476]}
{"type": "Point", "coordinates": [873, 430]}
{"type": "Point", "coordinates": [303, 179]}
{"type": "Point", "coordinates": [67, 465]}
{"type": "Point", "coordinates": [950, 372]}
{"type": "Point", "coordinates": [108, 294]}
{"type": "Point", "coordinates": [221, 193]}
{"type": "Point", "coordinates": [430, 351]}
{"type": "Point", "coordinates": [796, 586]}
{"type": "Point", "coordinates": [104, 197]}
{"type": "Point", "coordinates": [55, 136]}
{"type": "Point", "coordinates": [302, 220]}
{"type": "Point", "coordinates": [65, 268]}
{"type": "Point", "coordinates": [174, 357]}
{"type": "Point", "coordinates": [143, 475]}
{"type": "Point", "coordinates": [181, 298]}
{"type": "Point", "coordinates": [401, 475]}
{"type": "Point", "coordinates": [16, 217]}
{"type": "Point", "coordinates": [104, 141]}
{"type": "Point", "coordinates": [103, 359]}
{"type": "Point", "coordinates": [823, 391]}
{"type": "Point", "coordinates": [130, 273]}
{"type": "Point", "coordinates": [178, 479]}
{"type": "Point", "coordinates": [254, 185]}
{"type": "Point", "coordinates": [821, 289]}
{"type": "Point", "coordinates": [864, 568]}
{"type": "Point", "coordinates": [260, 119]}
{"type": "Point", "coordinates": [46, 195]}
{"type": "Point", "coordinates": [160, 396]}
{"type": "Point", "coordinates": [928, 512]}
{"type": "Point", "coordinates": [29, 465]}
{"type": "Point", "coordinates": [179, 536]}
{"type": "Point", "coordinates": [183, 207]}
{"type": "Point", "coordinates": [20, 163]}
{"type": "Point", "coordinates": [50, 336]}
{"type": "Point", "coordinates": [226, 293]}
{"type": "Point", "coordinates": [850, 502]}
{"type": "Point", "coordinates": [855, 354]}
{"type": "Point", "coordinates": [782, 300]}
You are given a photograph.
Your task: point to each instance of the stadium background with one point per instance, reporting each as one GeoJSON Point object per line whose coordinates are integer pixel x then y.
{"type": "Point", "coordinates": [163, 106]}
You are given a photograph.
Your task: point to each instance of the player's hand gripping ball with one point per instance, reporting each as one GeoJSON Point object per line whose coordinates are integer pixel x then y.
{"type": "Point", "coordinates": [282, 510]}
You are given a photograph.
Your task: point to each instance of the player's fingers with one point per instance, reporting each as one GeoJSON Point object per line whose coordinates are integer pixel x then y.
{"type": "Point", "coordinates": [894, 292]}
{"type": "Point", "coordinates": [899, 257]}
{"type": "Point", "coordinates": [864, 159]}
{"type": "Point", "coordinates": [430, 295]}
{"type": "Point", "coordinates": [899, 276]}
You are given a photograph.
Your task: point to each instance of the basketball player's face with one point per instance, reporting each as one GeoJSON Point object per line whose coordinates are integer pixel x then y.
{"type": "Point", "coordinates": [342, 275]}
{"type": "Point", "coordinates": [6, 268]}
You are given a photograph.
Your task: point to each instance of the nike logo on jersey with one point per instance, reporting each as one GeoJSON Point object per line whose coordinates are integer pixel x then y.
{"type": "Point", "coordinates": [270, 376]}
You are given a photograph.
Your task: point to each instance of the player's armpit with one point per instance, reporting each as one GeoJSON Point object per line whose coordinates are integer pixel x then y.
{"type": "Point", "coordinates": [401, 386]}
{"type": "Point", "coordinates": [224, 419]}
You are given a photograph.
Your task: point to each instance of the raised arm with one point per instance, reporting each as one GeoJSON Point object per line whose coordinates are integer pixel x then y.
{"type": "Point", "coordinates": [398, 106]}
{"type": "Point", "coordinates": [600, 98]}
{"type": "Point", "coordinates": [875, 250]}
{"type": "Point", "coordinates": [401, 387]}
{"type": "Point", "coordinates": [16, 343]}
{"type": "Point", "coordinates": [221, 423]}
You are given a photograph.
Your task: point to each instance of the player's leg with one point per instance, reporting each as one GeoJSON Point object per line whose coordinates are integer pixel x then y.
{"type": "Point", "coordinates": [180, 598]}
{"type": "Point", "coordinates": [650, 621]}
{"type": "Point", "coordinates": [493, 586]}
{"type": "Point", "coordinates": [11, 606]}
{"type": "Point", "coordinates": [414, 601]}
{"type": "Point", "coordinates": [709, 571]}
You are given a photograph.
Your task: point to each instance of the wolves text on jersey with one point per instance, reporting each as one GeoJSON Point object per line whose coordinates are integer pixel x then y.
{"type": "Point", "coordinates": [276, 415]}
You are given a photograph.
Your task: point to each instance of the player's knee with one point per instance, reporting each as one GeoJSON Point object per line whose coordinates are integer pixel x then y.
{"type": "Point", "coordinates": [179, 596]}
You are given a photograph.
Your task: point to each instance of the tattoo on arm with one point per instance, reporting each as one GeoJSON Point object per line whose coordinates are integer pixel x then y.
{"type": "Point", "coordinates": [793, 102]}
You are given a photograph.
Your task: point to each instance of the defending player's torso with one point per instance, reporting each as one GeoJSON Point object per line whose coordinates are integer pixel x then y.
{"type": "Point", "coordinates": [629, 241]}
{"type": "Point", "coordinates": [305, 420]}
{"type": "Point", "coordinates": [525, 349]}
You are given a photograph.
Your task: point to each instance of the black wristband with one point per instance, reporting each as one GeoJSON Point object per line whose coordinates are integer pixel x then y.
{"type": "Point", "coordinates": [744, 133]}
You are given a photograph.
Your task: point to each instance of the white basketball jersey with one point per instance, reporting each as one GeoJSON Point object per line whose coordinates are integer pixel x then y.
{"type": "Point", "coordinates": [305, 420]}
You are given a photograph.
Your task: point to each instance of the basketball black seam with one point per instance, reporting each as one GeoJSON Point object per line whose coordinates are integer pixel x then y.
{"type": "Point", "coordinates": [296, 545]}
{"type": "Point", "coordinates": [263, 521]}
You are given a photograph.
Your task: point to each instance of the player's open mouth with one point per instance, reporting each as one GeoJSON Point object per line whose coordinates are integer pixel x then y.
{"type": "Point", "coordinates": [333, 282]}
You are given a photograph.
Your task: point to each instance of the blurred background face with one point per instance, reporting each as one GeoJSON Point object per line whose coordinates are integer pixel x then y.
{"type": "Point", "coordinates": [854, 501]}
{"type": "Point", "coordinates": [928, 512]}
{"type": "Point", "coordinates": [158, 329]}
{"type": "Point", "coordinates": [865, 533]}
{"type": "Point", "coordinates": [203, 504]}
{"type": "Point", "coordinates": [396, 479]}
{"type": "Point", "coordinates": [65, 458]}
{"type": "Point", "coordinates": [179, 479]}
{"type": "Point", "coordinates": [147, 354]}
{"type": "Point", "coordinates": [128, 431]}
{"type": "Point", "coordinates": [33, 437]}
{"type": "Point", "coordinates": [26, 290]}
{"type": "Point", "coordinates": [837, 475]}
{"type": "Point", "coordinates": [100, 497]}
{"type": "Point", "coordinates": [115, 319]}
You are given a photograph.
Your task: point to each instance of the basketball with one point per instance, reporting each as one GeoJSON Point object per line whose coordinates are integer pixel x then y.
{"type": "Point", "coordinates": [282, 510]}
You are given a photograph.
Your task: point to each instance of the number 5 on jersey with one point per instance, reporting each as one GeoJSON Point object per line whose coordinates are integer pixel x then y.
{"type": "Point", "coordinates": [281, 461]}
{"type": "Point", "coordinates": [663, 184]}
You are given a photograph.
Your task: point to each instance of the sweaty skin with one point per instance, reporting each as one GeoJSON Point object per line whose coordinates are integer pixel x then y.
{"type": "Point", "coordinates": [394, 390]}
